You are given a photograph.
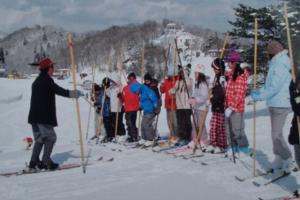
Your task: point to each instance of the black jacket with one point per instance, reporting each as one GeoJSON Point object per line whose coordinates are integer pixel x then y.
{"type": "Point", "coordinates": [295, 97]}
{"type": "Point", "coordinates": [42, 104]}
{"type": "Point", "coordinates": [218, 98]}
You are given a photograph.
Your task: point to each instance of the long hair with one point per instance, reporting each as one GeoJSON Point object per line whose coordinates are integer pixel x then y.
{"type": "Point", "coordinates": [237, 71]}
{"type": "Point", "coordinates": [200, 79]}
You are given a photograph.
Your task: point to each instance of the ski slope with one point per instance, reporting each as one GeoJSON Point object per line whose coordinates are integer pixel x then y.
{"type": "Point", "coordinates": [134, 173]}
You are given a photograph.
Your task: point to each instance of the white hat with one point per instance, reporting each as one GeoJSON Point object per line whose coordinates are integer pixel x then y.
{"type": "Point", "coordinates": [244, 65]}
{"type": "Point", "coordinates": [200, 68]}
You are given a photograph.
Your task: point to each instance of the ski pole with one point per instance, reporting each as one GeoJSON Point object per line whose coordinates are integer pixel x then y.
{"type": "Point", "coordinates": [93, 95]}
{"type": "Point", "coordinates": [186, 87]}
{"type": "Point", "coordinates": [70, 44]}
{"type": "Point", "coordinates": [254, 104]}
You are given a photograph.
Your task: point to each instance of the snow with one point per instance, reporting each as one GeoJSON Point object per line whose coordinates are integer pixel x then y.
{"type": "Point", "coordinates": [134, 173]}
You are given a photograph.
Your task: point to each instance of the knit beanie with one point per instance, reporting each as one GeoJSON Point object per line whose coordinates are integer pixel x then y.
{"type": "Point", "coordinates": [218, 64]}
{"type": "Point", "coordinates": [274, 47]}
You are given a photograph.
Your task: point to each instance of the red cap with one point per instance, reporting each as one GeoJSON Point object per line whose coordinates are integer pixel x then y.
{"type": "Point", "coordinates": [45, 63]}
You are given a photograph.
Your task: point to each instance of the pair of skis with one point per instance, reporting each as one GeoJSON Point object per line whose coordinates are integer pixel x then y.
{"type": "Point", "coordinates": [265, 178]}
{"type": "Point", "coordinates": [61, 167]}
{"type": "Point", "coordinates": [295, 196]}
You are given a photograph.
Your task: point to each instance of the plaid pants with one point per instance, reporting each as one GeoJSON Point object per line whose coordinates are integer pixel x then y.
{"type": "Point", "coordinates": [217, 130]}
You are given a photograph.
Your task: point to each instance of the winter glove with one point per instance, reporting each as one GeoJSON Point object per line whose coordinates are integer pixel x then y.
{"type": "Point", "coordinates": [228, 112]}
{"type": "Point", "coordinates": [75, 94]}
{"type": "Point", "coordinates": [172, 91]}
{"type": "Point", "coordinates": [192, 101]}
{"type": "Point", "coordinates": [222, 81]}
{"type": "Point", "coordinates": [255, 95]}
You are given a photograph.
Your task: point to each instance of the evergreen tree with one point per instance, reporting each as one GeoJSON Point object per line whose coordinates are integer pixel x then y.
{"type": "Point", "coordinates": [268, 28]}
{"type": "Point", "coordinates": [293, 7]}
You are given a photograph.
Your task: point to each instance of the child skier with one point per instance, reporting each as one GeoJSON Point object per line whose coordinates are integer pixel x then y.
{"type": "Point", "coordinates": [148, 103]}
{"type": "Point", "coordinates": [131, 106]}
{"type": "Point", "coordinates": [198, 100]}
{"type": "Point", "coordinates": [218, 139]}
{"type": "Point", "coordinates": [170, 104]}
{"type": "Point", "coordinates": [98, 120]}
{"type": "Point", "coordinates": [235, 103]}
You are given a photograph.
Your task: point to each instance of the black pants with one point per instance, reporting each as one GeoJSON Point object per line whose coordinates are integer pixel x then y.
{"type": "Point", "coordinates": [107, 121]}
{"type": "Point", "coordinates": [120, 127]}
{"type": "Point", "coordinates": [184, 123]}
{"type": "Point", "coordinates": [132, 130]}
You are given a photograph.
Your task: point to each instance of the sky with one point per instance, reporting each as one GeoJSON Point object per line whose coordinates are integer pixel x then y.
{"type": "Point", "coordinates": [87, 15]}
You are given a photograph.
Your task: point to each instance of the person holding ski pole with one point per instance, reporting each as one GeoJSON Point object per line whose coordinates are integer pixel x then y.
{"type": "Point", "coordinates": [198, 100]}
{"type": "Point", "coordinates": [131, 107]}
{"type": "Point", "coordinates": [42, 114]}
{"type": "Point", "coordinates": [235, 95]}
{"type": "Point", "coordinates": [276, 94]}
{"type": "Point", "coordinates": [149, 104]}
{"type": "Point", "coordinates": [218, 138]}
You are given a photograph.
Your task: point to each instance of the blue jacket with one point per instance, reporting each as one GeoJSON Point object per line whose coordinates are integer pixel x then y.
{"type": "Point", "coordinates": [148, 98]}
{"type": "Point", "coordinates": [106, 105]}
{"type": "Point", "coordinates": [276, 88]}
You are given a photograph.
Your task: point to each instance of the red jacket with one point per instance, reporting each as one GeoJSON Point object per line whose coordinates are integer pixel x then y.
{"type": "Point", "coordinates": [130, 100]}
{"type": "Point", "coordinates": [170, 100]}
{"type": "Point", "coordinates": [236, 92]}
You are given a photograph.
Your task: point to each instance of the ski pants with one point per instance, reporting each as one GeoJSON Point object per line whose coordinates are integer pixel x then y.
{"type": "Point", "coordinates": [184, 123]}
{"type": "Point", "coordinates": [217, 130]}
{"type": "Point", "coordinates": [148, 132]}
{"type": "Point", "coordinates": [107, 121]}
{"type": "Point", "coordinates": [200, 118]}
{"type": "Point", "coordinates": [235, 129]}
{"type": "Point", "coordinates": [118, 124]}
{"type": "Point", "coordinates": [132, 130]}
{"type": "Point", "coordinates": [172, 121]}
{"type": "Point", "coordinates": [44, 136]}
{"type": "Point", "coordinates": [278, 117]}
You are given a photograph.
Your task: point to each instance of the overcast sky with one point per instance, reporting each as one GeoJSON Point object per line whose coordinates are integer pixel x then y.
{"type": "Point", "coordinates": [85, 15]}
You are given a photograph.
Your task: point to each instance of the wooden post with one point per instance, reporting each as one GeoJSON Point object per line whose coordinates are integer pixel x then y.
{"type": "Point", "coordinates": [291, 55]}
{"type": "Point", "coordinates": [70, 44]}
{"type": "Point", "coordinates": [142, 79]}
{"type": "Point", "coordinates": [92, 95]}
{"type": "Point", "coordinates": [254, 103]}
{"type": "Point", "coordinates": [119, 66]}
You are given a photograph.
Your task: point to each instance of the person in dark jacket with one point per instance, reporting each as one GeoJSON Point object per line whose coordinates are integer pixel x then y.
{"type": "Point", "coordinates": [218, 137]}
{"type": "Point", "coordinates": [42, 114]}
{"type": "Point", "coordinates": [294, 135]}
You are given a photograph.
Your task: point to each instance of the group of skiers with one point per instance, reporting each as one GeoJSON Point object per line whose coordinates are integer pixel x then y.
{"type": "Point", "coordinates": [186, 101]}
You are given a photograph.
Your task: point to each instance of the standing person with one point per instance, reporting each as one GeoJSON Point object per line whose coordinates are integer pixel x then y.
{"type": "Point", "coordinates": [184, 111]}
{"type": "Point", "coordinates": [148, 103]}
{"type": "Point", "coordinates": [42, 114]}
{"type": "Point", "coordinates": [131, 107]}
{"type": "Point", "coordinates": [235, 103]}
{"type": "Point", "coordinates": [116, 108]}
{"type": "Point", "coordinates": [198, 100]}
{"type": "Point", "coordinates": [276, 94]}
{"type": "Point", "coordinates": [218, 139]}
{"type": "Point", "coordinates": [294, 134]}
{"type": "Point", "coordinates": [170, 104]}
{"type": "Point", "coordinates": [98, 102]}
{"type": "Point", "coordinates": [106, 113]}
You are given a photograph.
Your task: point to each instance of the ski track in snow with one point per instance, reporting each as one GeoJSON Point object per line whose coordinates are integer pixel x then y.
{"type": "Point", "coordinates": [134, 173]}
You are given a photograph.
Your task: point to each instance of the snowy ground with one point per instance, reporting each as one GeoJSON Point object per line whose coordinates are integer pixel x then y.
{"type": "Point", "coordinates": [134, 173]}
